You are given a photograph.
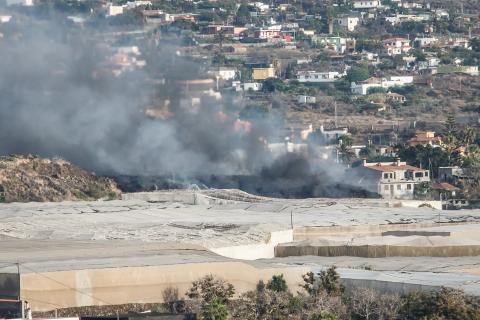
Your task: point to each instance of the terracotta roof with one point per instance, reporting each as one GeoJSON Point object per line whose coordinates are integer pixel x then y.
{"type": "Point", "coordinates": [425, 139]}
{"type": "Point", "coordinates": [395, 39]}
{"type": "Point", "coordinates": [394, 94]}
{"type": "Point", "coordinates": [391, 168]}
{"type": "Point", "coordinates": [373, 80]}
{"type": "Point", "coordinates": [443, 186]}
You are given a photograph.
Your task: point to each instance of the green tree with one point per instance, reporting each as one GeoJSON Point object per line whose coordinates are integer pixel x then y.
{"type": "Point", "coordinates": [209, 288]}
{"type": "Point", "coordinates": [243, 15]}
{"type": "Point", "coordinates": [329, 281]}
{"type": "Point", "coordinates": [324, 315]}
{"type": "Point", "coordinates": [220, 38]}
{"type": "Point", "coordinates": [468, 135]}
{"type": "Point", "coordinates": [274, 84]}
{"type": "Point", "coordinates": [422, 190]}
{"type": "Point", "coordinates": [345, 149]}
{"type": "Point", "coordinates": [357, 73]}
{"type": "Point", "coordinates": [255, 111]}
{"type": "Point", "coordinates": [450, 125]}
{"type": "Point", "coordinates": [215, 310]}
{"type": "Point", "coordinates": [277, 284]}
{"type": "Point", "coordinates": [442, 304]}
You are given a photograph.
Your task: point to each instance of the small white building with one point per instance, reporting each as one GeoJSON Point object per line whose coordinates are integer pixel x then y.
{"type": "Point", "coordinates": [338, 44]}
{"type": "Point", "coordinates": [425, 41]}
{"type": "Point", "coordinates": [400, 18]}
{"type": "Point", "coordinates": [332, 135]}
{"type": "Point", "coordinates": [318, 77]}
{"type": "Point", "coordinates": [246, 86]}
{"type": "Point", "coordinates": [395, 46]}
{"type": "Point", "coordinates": [114, 10]}
{"type": "Point", "coordinates": [5, 18]}
{"type": "Point", "coordinates": [225, 73]}
{"type": "Point", "coordinates": [306, 99]}
{"type": "Point", "coordinates": [348, 23]}
{"type": "Point", "coordinates": [361, 88]}
{"type": "Point", "coordinates": [366, 4]}
{"type": "Point", "coordinates": [26, 3]}
{"type": "Point", "coordinates": [138, 3]}
{"type": "Point", "coordinates": [261, 6]}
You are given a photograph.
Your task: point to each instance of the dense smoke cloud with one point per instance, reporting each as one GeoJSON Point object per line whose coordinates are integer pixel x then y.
{"type": "Point", "coordinates": [55, 101]}
{"type": "Point", "coordinates": [58, 98]}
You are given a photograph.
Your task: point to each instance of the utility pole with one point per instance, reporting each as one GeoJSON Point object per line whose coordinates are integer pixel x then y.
{"type": "Point", "coordinates": [335, 107]}
{"type": "Point", "coordinates": [291, 218]}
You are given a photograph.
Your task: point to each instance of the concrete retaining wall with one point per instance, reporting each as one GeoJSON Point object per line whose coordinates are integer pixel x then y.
{"type": "Point", "coordinates": [50, 290]}
{"type": "Point", "coordinates": [305, 233]}
{"type": "Point", "coordinates": [376, 251]}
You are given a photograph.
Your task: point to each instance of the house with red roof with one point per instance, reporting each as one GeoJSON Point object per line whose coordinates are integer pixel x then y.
{"type": "Point", "coordinates": [425, 138]}
{"type": "Point", "coordinates": [392, 180]}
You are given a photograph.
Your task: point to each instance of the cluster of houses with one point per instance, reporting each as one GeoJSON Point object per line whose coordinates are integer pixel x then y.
{"type": "Point", "coordinates": [314, 57]}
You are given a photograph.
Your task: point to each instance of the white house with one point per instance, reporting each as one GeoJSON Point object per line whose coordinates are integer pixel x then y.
{"type": "Point", "coordinates": [224, 73]}
{"type": "Point", "coordinates": [306, 99]}
{"type": "Point", "coordinates": [247, 86]}
{"type": "Point", "coordinates": [261, 6]}
{"type": "Point", "coordinates": [333, 134]}
{"type": "Point", "coordinates": [5, 18]}
{"type": "Point", "coordinates": [366, 4]}
{"type": "Point", "coordinates": [361, 88]}
{"type": "Point", "coordinates": [348, 23]}
{"type": "Point", "coordinates": [399, 18]}
{"type": "Point", "coordinates": [425, 41]}
{"type": "Point", "coordinates": [114, 10]}
{"type": "Point", "coordinates": [395, 46]}
{"type": "Point", "coordinates": [392, 180]}
{"type": "Point", "coordinates": [318, 77]}
{"type": "Point", "coordinates": [138, 3]}
{"type": "Point", "coordinates": [338, 44]}
{"type": "Point", "coordinates": [27, 3]}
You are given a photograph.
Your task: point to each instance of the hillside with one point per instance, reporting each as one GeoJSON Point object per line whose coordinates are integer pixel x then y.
{"type": "Point", "coordinates": [30, 178]}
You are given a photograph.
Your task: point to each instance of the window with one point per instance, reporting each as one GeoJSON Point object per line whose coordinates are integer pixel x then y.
{"type": "Point", "coordinates": [385, 175]}
{"type": "Point", "coordinates": [409, 187]}
{"type": "Point", "coordinates": [418, 174]}
{"type": "Point", "coordinates": [399, 187]}
{"type": "Point", "coordinates": [386, 188]}
{"type": "Point", "coordinates": [426, 173]}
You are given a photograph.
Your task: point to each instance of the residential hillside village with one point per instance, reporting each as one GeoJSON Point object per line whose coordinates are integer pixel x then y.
{"type": "Point", "coordinates": [240, 160]}
{"type": "Point", "coordinates": [389, 89]}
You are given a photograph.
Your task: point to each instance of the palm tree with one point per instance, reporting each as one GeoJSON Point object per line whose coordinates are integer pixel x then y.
{"type": "Point", "coordinates": [468, 135]}
{"type": "Point", "coordinates": [450, 144]}
{"type": "Point", "coordinates": [345, 149]}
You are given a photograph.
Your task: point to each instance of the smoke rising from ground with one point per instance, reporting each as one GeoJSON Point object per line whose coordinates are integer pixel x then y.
{"type": "Point", "coordinates": [55, 101]}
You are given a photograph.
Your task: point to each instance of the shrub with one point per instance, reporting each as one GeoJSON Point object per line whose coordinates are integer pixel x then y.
{"type": "Point", "coordinates": [209, 288]}
{"type": "Point", "coordinates": [215, 310]}
{"type": "Point", "coordinates": [172, 300]}
{"type": "Point", "coordinates": [442, 304]}
{"type": "Point", "coordinates": [277, 284]}
{"type": "Point", "coordinates": [330, 281]}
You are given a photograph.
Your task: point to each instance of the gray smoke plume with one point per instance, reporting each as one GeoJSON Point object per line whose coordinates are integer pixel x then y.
{"type": "Point", "coordinates": [55, 101]}
{"type": "Point", "coordinates": [58, 100]}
